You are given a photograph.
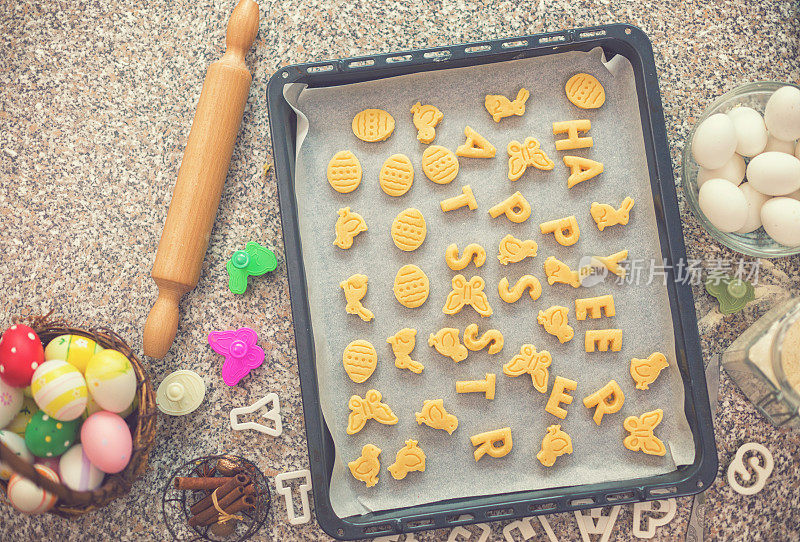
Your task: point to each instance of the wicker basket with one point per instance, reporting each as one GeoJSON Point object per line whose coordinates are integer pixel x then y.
{"type": "Point", "coordinates": [142, 423]}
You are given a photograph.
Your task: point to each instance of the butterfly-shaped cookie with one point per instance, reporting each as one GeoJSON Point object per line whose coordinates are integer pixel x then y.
{"type": "Point", "coordinates": [531, 362]}
{"type": "Point", "coordinates": [367, 408]}
{"type": "Point", "coordinates": [641, 433]}
{"type": "Point", "coordinates": [522, 155]}
{"type": "Point", "coordinates": [467, 293]}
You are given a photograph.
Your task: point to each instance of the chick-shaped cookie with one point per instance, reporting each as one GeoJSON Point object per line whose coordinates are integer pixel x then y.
{"type": "Point", "coordinates": [645, 371]}
{"type": "Point", "coordinates": [555, 322]}
{"type": "Point", "coordinates": [403, 343]}
{"type": "Point", "coordinates": [409, 458]}
{"type": "Point", "coordinates": [555, 443]}
{"type": "Point", "coordinates": [348, 225]}
{"type": "Point", "coordinates": [367, 467]}
{"type": "Point", "coordinates": [558, 271]}
{"type": "Point", "coordinates": [514, 250]}
{"type": "Point", "coordinates": [447, 344]}
{"type": "Point", "coordinates": [355, 288]}
{"type": "Point", "coordinates": [426, 117]}
{"type": "Point", "coordinates": [434, 415]}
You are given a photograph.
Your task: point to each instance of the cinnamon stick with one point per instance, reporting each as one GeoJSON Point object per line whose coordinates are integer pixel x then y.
{"type": "Point", "coordinates": [240, 480]}
{"type": "Point", "coordinates": [202, 482]}
{"type": "Point", "coordinates": [244, 502]}
{"type": "Point", "coordinates": [211, 513]}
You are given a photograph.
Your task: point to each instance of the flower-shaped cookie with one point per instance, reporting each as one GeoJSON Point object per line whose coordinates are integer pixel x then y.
{"type": "Point", "coordinates": [240, 350]}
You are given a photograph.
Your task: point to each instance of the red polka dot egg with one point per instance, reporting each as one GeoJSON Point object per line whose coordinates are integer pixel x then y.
{"type": "Point", "coordinates": [21, 353]}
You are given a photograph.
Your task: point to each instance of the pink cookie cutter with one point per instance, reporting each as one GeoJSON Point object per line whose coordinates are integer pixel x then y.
{"type": "Point", "coordinates": [241, 352]}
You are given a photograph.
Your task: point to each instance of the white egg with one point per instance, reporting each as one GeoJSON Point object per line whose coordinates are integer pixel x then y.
{"type": "Point", "coordinates": [724, 204]}
{"type": "Point", "coordinates": [714, 141]}
{"type": "Point", "coordinates": [732, 171]}
{"type": "Point", "coordinates": [755, 200]}
{"type": "Point", "coordinates": [782, 113]}
{"type": "Point", "coordinates": [778, 145]}
{"type": "Point", "coordinates": [795, 195]}
{"type": "Point", "coordinates": [774, 173]}
{"type": "Point", "coordinates": [77, 472]}
{"type": "Point", "coordinates": [751, 132]}
{"type": "Point", "coordinates": [16, 444]}
{"type": "Point", "coordinates": [781, 219]}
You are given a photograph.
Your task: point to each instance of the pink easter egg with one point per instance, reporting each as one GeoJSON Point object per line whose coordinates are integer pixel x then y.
{"type": "Point", "coordinates": [107, 441]}
{"type": "Point", "coordinates": [29, 498]}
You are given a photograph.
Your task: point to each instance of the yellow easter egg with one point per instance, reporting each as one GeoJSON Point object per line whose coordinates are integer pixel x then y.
{"type": "Point", "coordinates": [439, 164]}
{"type": "Point", "coordinates": [76, 350]}
{"type": "Point", "coordinates": [111, 380]}
{"type": "Point", "coordinates": [373, 125]}
{"type": "Point", "coordinates": [59, 389]}
{"type": "Point", "coordinates": [396, 175]}
{"type": "Point", "coordinates": [411, 286]}
{"type": "Point", "coordinates": [409, 229]}
{"type": "Point", "coordinates": [344, 172]}
{"type": "Point", "coordinates": [360, 360]}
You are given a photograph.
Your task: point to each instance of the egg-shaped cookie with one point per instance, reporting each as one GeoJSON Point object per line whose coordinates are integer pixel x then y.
{"type": "Point", "coordinates": [409, 229]}
{"type": "Point", "coordinates": [373, 125]}
{"type": "Point", "coordinates": [411, 286]}
{"type": "Point", "coordinates": [396, 175]}
{"type": "Point", "coordinates": [439, 164]}
{"type": "Point", "coordinates": [585, 91]}
{"type": "Point", "coordinates": [360, 360]}
{"type": "Point", "coordinates": [344, 172]}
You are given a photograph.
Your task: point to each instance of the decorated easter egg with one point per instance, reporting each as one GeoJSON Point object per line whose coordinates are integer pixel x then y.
{"type": "Point", "coordinates": [60, 390]}
{"type": "Point", "coordinates": [359, 359]}
{"type": "Point", "coordinates": [20, 421]}
{"type": "Point", "coordinates": [107, 441]}
{"type": "Point", "coordinates": [21, 353]}
{"type": "Point", "coordinates": [76, 350]}
{"type": "Point", "coordinates": [409, 229]}
{"type": "Point", "coordinates": [373, 125]}
{"type": "Point", "coordinates": [11, 400]}
{"type": "Point", "coordinates": [411, 286]}
{"type": "Point", "coordinates": [49, 437]}
{"type": "Point", "coordinates": [111, 380]}
{"type": "Point", "coordinates": [17, 445]}
{"type": "Point", "coordinates": [77, 472]}
{"type": "Point", "coordinates": [29, 498]}
{"type": "Point", "coordinates": [344, 172]}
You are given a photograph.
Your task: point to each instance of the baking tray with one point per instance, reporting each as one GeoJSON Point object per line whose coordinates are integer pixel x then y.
{"type": "Point", "coordinates": [615, 39]}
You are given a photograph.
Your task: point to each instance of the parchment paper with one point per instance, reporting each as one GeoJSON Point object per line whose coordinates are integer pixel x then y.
{"type": "Point", "coordinates": [643, 311]}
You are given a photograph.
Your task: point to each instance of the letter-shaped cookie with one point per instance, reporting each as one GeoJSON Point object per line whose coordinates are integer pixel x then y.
{"type": "Point", "coordinates": [594, 306]}
{"type": "Point", "coordinates": [426, 117]}
{"type": "Point", "coordinates": [645, 371]}
{"type": "Point", "coordinates": [396, 175]}
{"type": "Point", "coordinates": [641, 433]}
{"type": "Point", "coordinates": [558, 271]}
{"type": "Point", "coordinates": [581, 169]}
{"type": "Point", "coordinates": [471, 251]}
{"type": "Point", "coordinates": [605, 215]}
{"type": "Point", "coordinates": [368, 408]}
{"type": "Point", "coordinates": [523, 155]}
{"type": "Point", "coordinates": [485, 386]}
{"type": "Point", "coordinates": [465, 199]}
{"type": "Point", "coordinates": [558, 396]}
{"type": "Point", "coordinates": [491, 338]}
{"type": "Point", "coordinates": [447, 344]}
{"type": "Point", "coordinates": [487, 443]}
{"type": "Point", "coordinates": [373, 125]}
{"type": "Point", "coordinates": [367, 467]}
{"type": "Point", "coordinates": [348, 225]}
{"type": "Point", "coordinates": [403, 343]}
{"type": "Point", "coordinates": [409, 458]}
{"type": "Point", "coordinates": [476, 146]}
{"type": "Point", "coordinates": [571, 128]}
{"type": "Point", "coordinates": [411, 286]}
{"type": "Point", "coordinates": [525, 282]}
{"type": "Point", "coordinates": [439, 164]}
{"type": "Point", "coordinates": [606, 400]}
{"type": "Point", "coordinates": [555, 443]}
{"type": "Point", "coordinates": [344, 172]}
{"type": "Point", "coordinates": [603, 339]}
{"type": "Point", "coordinates": [467, 293]}
{"type": "Point", "coordinates": [612, 262]}
{"type": "Point", "coordinates": [515, 207]}
{"type": "Point", "coordinates": [434, 415]}
{"type": "Point", "coordinates": [528, 361]}
{"type": "Point", "coordinates": [500, 107]}
{"type": "Point", "coordinates": [566, 230]}
{"type": "Point", "coordinates": [355, 288]}
{"type": "Point", "coordinates": [513, 250]}
{"type": "Point", "coordinates": [360, 360]}
{"type": "Point", "coordinates": [555, 322]}
{"type": "Point", "coordinates": [409, 229]}
{"type": "Point", "coordinates": [585, 91]}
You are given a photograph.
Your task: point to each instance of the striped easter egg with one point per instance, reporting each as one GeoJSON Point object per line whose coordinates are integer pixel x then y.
{"type": "Point", "coordinates": [360, 360]}
{"type": "Point", "coordinates": [411, 286]}
{"type": "Point", "coordinates": [409, 229]}
{"type": "Point", "coordinates": [29, 498]}
{"type": "Point", "coordinates": [60, 390]}
{"type": "Point", "coordinates": [77, 472]}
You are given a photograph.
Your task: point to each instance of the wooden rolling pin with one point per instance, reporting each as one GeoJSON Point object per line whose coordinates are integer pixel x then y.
{"type": "Point", "coordinates": [200, 179]}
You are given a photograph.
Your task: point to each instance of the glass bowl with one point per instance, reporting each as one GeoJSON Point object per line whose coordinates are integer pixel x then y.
{"type": "Point", "coordinates": [757, 243]}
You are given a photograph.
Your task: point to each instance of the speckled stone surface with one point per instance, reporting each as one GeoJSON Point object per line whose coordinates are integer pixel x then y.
{"type": "Point", "coordinates": [96, 100]}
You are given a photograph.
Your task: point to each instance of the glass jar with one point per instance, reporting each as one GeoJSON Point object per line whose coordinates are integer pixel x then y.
{"type": "Point", "coordinates": [765, 363]}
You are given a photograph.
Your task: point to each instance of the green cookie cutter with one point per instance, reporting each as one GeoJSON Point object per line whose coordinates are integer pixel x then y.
{"type": "Point", "coordinates": [732, 293]}
{"type": "Point", "coordinates": [254, 260]}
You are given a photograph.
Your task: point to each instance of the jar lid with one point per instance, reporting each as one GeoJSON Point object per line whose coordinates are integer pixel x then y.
{"type": "Point", "coordinates": [180, 393]}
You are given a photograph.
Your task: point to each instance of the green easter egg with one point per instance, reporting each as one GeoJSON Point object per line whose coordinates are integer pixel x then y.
{"type": "Point", "coordinates": [47, 437]}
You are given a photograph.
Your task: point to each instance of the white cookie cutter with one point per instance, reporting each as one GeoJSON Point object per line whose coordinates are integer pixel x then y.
{"type": "Point", "coordinates": [526, 530]}
{"type": "Point", "coordinates": [465, 534]}
{"type": "Point", "coordinates": [668, 507]}
{"type": "Point", "coordinates": [595, 522]}
{"type": "Point", "coordinates": [272, 413]}
{"type": "Point", "coordinates": [286, 491]}
{"type": "Point", "coordinates": [761, 472]}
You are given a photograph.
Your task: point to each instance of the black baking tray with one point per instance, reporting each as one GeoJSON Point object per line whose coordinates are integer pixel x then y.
{"type": "Point", "coordinates": [615, 39]}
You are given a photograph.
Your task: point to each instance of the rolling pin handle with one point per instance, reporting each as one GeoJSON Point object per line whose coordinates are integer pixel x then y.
{"type": "Point", "coordinates": [162, 322]}
{"type": "Point", "coordinates": [242, 30]}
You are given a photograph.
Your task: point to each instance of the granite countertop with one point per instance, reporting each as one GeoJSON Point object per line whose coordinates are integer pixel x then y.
{"type": "Point", "coordinates": [96, 100]}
